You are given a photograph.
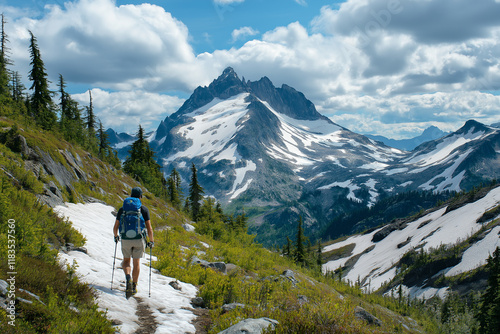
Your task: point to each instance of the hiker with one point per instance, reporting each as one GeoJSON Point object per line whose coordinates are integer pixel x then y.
{"type": "Point", "coordinates": [132, 221]}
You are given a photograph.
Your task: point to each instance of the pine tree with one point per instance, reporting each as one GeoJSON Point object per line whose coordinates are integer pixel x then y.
{"type": "Point", "coordinates": [319, 258]}
{"type": "Point", "coordinates": [41, 101]}
{"type": "Point", "coordinates": [4, 60]}
{"type": "Point", "coordinates": [70, 122]}
{"type": "Point", "coordinates": [195, 194]}
{"type": "Point", "coordinates": [489, 312]}
{"type": "Point", "coordinates": [142, 166]}
{"type": "Point", "coordinates": [17, 87]}
{"type": "Point", "coordinates": [174, 190]}
{"type": "Point", "coordinates": [103, 142]}
{"type": "Point", "coordinates": [63, 98]}
{"type": "Point", "coordinates": [90, 119]}
{"type": "Point", "coordinates": [299, 255]}
{"type": "Point", "coordinates": [89, 125]}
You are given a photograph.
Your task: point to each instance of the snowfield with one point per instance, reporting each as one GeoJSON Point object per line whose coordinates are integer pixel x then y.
{"type": "Point", "coordinates": [169, 307]}
{"type": "Point", "coordinates": [376, 265]}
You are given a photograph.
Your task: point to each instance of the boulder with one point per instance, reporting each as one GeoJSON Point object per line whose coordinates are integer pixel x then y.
{"type": "Point", "coordinates": [198, 302]}
{"type": "Point", "coordinates": [251, 326]}
{"type": "Point", "coordinates": [219, 266]}
{"type": "Point", "coordinates": [364, 315]}
{"type": "Point", "coordinates": [188, 227]}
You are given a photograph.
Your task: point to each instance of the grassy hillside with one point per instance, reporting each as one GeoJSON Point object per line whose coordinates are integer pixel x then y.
{"type": "Point", "coordinates": [303, 301]}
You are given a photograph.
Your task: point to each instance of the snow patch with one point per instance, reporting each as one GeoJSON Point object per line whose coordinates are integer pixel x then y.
{"type": "Point", "coordinates": [169, 306]}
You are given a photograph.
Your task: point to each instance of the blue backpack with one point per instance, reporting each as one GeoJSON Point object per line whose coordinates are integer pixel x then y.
{"type": "Point", "coordinates": [132, 224]}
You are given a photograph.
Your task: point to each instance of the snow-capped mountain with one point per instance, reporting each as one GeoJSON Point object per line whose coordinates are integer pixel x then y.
{"type": "Point", "coordinates": [465, 235]}
{"type": "Point", "coordinates": [268, 150]}
{"type": "Point", "coordinates": [431, 133]}
{"type": "Point", "coordinates": [255, 141]}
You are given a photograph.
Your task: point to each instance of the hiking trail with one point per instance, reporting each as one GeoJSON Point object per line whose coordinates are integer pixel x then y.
{"type": "Point", "coordinates": [167, 310]}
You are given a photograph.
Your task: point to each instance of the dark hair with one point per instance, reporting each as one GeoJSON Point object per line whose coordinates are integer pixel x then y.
{"type": "Point", "coordinates": [136, 192]}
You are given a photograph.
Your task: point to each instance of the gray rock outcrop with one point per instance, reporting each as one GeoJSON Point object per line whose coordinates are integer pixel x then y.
{"type": "Point", "coordinates": [251, 326]}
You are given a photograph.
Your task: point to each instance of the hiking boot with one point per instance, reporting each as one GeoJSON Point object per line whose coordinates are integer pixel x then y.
{"type": "Point", "coordinates": [134, 288]}
{"type": "Point", "coordinates": [128, 290]}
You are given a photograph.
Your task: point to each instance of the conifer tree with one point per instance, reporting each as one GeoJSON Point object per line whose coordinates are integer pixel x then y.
{"type": "Point", "coordinates": [90, 120]}
{"type": "Point", "coordinates": [299, 255]}
{"type": "Point", "coordinates": [319, 258]}
{"type": "Point", "coordinates": [70, 122]}
{"type": "Point", "coordinates": [4, 60]}
{"type": "Point", "coordinates": [17, 87]}
{"type": "Point", "coordinates": [64, 102]}
{"type": "Point", "coordinates": [174, 190]}
{"type": "Point", "coordinates": [142, 166]}
{"type": "Point", "coordinates": [489, 312]}
{"type": "Point", "coordinates": [195, 194]}
{"type": "Point", "coordinates": [41, 101]}
{"type": "Point", "coordinates": [240, 225]}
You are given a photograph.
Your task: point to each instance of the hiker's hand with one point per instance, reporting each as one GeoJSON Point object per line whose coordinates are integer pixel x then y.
{"type": "Point", "coordinates": [117, 238]}
{"type": "Point", "coordinates": [151, 244]}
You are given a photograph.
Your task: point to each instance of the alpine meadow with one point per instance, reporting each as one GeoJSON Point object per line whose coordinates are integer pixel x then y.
{"type": "Point", "coordinates": [268, 216]}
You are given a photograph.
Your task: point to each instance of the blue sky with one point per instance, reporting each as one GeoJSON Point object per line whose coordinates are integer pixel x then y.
{"type": "Point", "coordinates": [390, 67]}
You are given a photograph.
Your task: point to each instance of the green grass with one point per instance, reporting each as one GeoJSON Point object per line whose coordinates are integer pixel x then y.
{"type": "Point", "coordinates": [256, 281]}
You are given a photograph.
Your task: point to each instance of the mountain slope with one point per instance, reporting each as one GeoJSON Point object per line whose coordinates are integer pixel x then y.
{"type": "Point", "coordinates": [467, 232]}
{"type": "Point", "coordinates": [268, 150]}
{"type": "Point", "coordinates": [269, 284]}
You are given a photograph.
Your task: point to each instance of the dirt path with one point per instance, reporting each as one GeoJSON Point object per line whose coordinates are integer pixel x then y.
{"type": "Point", "coordinates": [147, 322]}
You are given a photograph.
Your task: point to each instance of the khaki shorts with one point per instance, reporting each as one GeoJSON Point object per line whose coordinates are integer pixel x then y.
{"type": "Point", "coordinates": [133, 248]}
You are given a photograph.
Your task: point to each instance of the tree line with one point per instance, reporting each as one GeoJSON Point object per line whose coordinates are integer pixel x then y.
{"type": "Point", "coordinates": [53, 111]}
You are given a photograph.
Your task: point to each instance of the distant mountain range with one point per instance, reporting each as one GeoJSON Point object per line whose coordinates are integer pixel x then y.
{"type": "Point", "coordinates": [458, 238]}
{"type": "Point", "coordinates": [268, 150]}
{"type": "Point", "coordinates": [431, 133]}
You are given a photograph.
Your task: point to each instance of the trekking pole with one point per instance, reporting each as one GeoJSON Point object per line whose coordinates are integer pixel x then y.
{"type": "Point", "coordinates": [150, 259]}
{"type": "Point", "coordinates": [113, 274]}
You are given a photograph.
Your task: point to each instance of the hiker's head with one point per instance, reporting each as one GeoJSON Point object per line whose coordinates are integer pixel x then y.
{"type": "Point", "coordinates": [136, 192]}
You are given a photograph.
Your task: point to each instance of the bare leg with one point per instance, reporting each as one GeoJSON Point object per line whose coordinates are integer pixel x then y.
{"type": "Point", "coordinates": [126, 266]}
{"type": "Point", "coordinates": [137, 269]}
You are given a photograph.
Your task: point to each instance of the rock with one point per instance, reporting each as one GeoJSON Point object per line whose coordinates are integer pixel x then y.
{"type": "Point", "coordinates": [251, 326]}
{"type": "Point", "coordinates": [71, 247]}
{"type": "Point", "coordinates": [51, 195]}
{"type": "Point", "coordinates": [198, 302]}
{"type": "Point", "coordinates": [290, 275]}
{"type": "Point", "coordinates": [219, 266]}
{"type": "Point", "coordinates": [232, 306]}
{"type": "Point", "coordinates": [175, 285]}
{"type": "Point", "coordinates": [188, 227]}
{"type": "Point", "coordinates": [116, 322]}
{"type": "Point", "coordinates": [362, 314]}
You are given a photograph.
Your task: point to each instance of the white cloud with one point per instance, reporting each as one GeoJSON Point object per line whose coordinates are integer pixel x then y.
{"type": "Point", "coordinates": [125, 110]}
{"type": "Point", "coordinates": [243, 33]}
{"type": "Point", "coordinates": [368, 64]}
{"type": "Point", "coordinates": [95, 41]}
{"type": "Point", "coordinates": [227, 2]}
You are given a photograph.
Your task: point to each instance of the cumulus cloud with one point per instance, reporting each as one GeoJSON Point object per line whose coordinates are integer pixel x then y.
{"type": "Point", "coordinates": [95, 41]}
{"type": "Point", "coordinates": [368, 64]}
{"type": "Point", "coordinates": [432, 21]}
{"type": "Point", "coordinates": [243, 32]}
{"type": "Point", "coordinates": [127, 109]}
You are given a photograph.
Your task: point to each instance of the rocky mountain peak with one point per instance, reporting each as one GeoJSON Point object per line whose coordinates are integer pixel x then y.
{"type": "Point", "coordinates": [472, 126]}
{"type": "Point", "coordinates": [227, 85]}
